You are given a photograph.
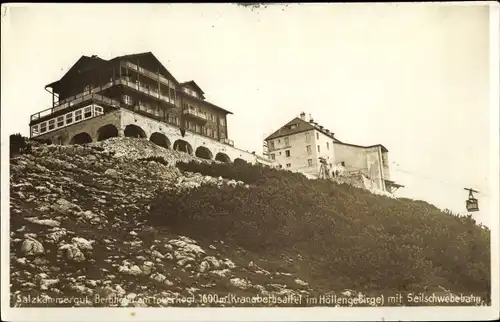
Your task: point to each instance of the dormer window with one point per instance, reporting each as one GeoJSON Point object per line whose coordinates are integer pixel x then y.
{"type": "Point", "coordinates": [293, 126]}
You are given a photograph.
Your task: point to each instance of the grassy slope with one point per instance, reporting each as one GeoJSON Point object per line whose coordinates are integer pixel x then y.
{"type": "Point", "coordinates": [348, 237]}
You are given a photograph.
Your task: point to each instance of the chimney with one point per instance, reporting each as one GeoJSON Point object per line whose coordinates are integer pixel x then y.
{"type": "Point", "coordinates": [303, 116]}
{"type": "Point", "coordinates": [311, 118]}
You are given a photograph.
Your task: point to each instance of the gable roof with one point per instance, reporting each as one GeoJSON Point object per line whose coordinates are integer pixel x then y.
{"type": "Point", "coordinates": [82, 64]}
{"type": "Point", "coordinates": [87, 63]}
{"type": "Point", "coordinates": [147, 55]}
{"type": "Point", "coordinates": [197, 99]}
{"type": "Point", "coordinates": [303, 126]}
{"type": "Point", "coordinates": [193, 84]}
{"type": "Point", "coordinates": [286, 129]}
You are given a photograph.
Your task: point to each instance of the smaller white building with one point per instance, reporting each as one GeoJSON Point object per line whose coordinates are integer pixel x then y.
{"type": "Point", "coordinates": [299, 144]}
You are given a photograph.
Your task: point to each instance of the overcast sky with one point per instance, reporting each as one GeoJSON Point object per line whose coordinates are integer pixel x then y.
{"type": "Point", "coordinates": [414, 78]}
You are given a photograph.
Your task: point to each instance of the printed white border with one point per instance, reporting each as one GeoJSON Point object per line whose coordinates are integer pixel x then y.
{"type": "Point", "coordinates": [270, 314]}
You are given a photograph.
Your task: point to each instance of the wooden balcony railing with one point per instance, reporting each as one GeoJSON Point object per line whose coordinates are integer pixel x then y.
{"type": "Point", "coordinates": [149, 74]}
{"type": "Point", "coordinates": [146, 90]}
{"type": "Point", "coordinates": [92, 94]}
{"type": "Point", "coordinates": [195, 114]}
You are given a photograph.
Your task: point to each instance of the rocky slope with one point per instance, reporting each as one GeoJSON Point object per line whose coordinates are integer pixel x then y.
{"type": "Point", "coordinates": [77, 237]}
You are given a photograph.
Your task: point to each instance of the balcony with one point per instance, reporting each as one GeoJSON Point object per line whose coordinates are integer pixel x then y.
{"type": "Point", "coordinates": [147, 73]}
{"type": "Point", "coordinates": [74, 100]}
{"type": "Point", "coordinates": [139, 87]}
{"type": "Point", "coordinates": [194, 115]}
{"type": "Point", "coordinates": [92, 94]}
{"type": "Point", "coordinates": [227, 141]}
{"type": "Point", "coordinates": [149, 112]}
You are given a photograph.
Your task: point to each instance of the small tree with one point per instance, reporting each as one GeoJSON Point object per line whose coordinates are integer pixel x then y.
{"type": "Point", "coordinates": [17, 144]}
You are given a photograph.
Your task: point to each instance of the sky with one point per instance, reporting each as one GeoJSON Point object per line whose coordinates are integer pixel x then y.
{"type": "Point", "coordinates": [413, 77]}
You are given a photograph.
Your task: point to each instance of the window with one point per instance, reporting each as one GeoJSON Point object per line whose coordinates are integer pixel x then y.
{"type": "Point", "coordinates": [317, 136]}
{"type": "Point", "coordinates": [43, 127]}
{"type": "Point", "coordinates": [328, 145]}
{"type": "Point", "coordinates": [271, 145]}
{"type": "Point", "coordinates": [52, 124]}
{"type": "Point", "coordinates": [279, 141]}
{"type": "Point", "coordinates": [34, 130]}
{"type": "Point", "coordinates": [309, 150]}
{"type": "Point", "coordinates": [87, 112]}
{"type": "Point", "coordinates": [280, 152]}
{"type": "Point", "coordinates": [309, 162]}
{"type": "Point", "coordinates": [342, 163]}
{"type": "Point", "coordinates": [293, 126]}
{"type": "Point", "coordinates": [273, 156]}
{"type": "Point", "coordinates": [288, 165]}
{"type": "Point", "coordinates": [198, 128]}
{"type": "Point", "coordinates": [287, 153]}
{"type": "Point", "coordinates": [78, 115]}
{"type": "Point", "coordinates": [60, 121]}
{"type": "Point", "coordinates": [69, 118]}
{"type": "Point", "coordinates": [127, 99]}
{"type": "Point", "coordinates": [287, 141]}
{"type": "Point", "coordinates": [280, 166]}
{"type": "Point", "coordinates": [318, 148]}
{"type": "Point", "coordinates": [98, 110]}
{"type": "Point", "coordinates": [222, 122]}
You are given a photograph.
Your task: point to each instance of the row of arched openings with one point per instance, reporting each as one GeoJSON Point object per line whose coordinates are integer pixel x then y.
{"type": "Point", "coordinates": [160, 139]}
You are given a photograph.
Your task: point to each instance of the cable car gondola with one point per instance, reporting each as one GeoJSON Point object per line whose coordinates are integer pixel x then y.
{"type": "Point", "coordinates": [471, 204]}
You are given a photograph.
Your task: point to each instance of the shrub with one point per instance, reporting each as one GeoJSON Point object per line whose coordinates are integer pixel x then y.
{"type": "Point", "coordinates": [348, 236]}
{"type": "Point", "coordinates": [246, 172]}
{"type": "Point", "coordinates": [18, 144]}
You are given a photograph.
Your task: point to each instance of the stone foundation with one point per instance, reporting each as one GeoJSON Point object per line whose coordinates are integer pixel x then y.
{"type": "Point", "coordinates": [122, 122]}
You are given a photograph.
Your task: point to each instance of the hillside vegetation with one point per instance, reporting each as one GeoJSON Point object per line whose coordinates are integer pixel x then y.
{"type": "Point", "coordinates": [347, 237]}
{"type": "Point", "coordinates": [125, 219]}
